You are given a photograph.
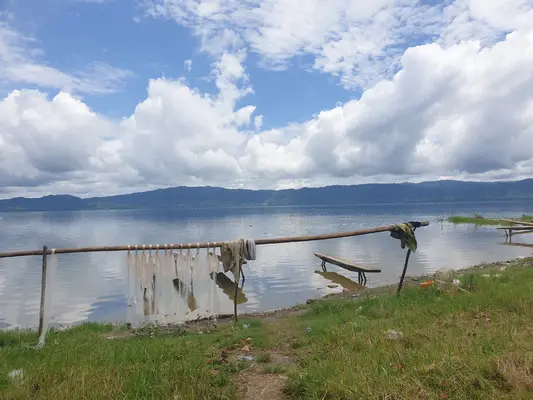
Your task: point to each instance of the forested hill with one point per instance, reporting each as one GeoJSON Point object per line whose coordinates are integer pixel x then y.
{"type": "Point", "coordinates": [189, 197]}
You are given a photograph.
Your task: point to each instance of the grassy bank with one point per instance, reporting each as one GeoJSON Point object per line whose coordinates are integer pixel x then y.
{"type": "Point", "coordinates": [480, 220]}
{"type": "Point", "coordinates": [453, 345]}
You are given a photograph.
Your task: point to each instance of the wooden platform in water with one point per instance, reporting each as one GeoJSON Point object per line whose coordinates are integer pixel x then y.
{"type": "Point", "coordinates": [350, 266]}
{"type": "Point", "coordinates": [516, 230]}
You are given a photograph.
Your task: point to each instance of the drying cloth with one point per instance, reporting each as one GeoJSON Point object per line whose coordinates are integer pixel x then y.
{"type": "Point", "coordinates": [406, 234]}
{"type": "Point", "coordinates": [232, 256]}
{"type": "Point", "coordinates": [249, 249]}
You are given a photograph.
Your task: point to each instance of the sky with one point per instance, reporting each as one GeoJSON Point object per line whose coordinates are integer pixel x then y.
{"type": "Point", "coordinates": [100, 97]}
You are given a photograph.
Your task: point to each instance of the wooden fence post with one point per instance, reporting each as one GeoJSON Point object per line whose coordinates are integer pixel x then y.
{"type": "Point", "coordinates": [237, 279]}
{"type": "Point", "coordinates": [43, 290]}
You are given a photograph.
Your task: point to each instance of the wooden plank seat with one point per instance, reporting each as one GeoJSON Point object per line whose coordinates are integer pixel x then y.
{"type": "Point", "coordinates": [350, 266]}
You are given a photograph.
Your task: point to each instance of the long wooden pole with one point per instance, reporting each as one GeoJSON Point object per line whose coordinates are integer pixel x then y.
{"type": "Point", "coordinates": [259, 242]}
{"type": "Point", "coordinates": [512, 221]}
{"type": "Point", "coordinates": [517, 228]}
{"type": "Point", "coordinates": [43, 290]}
{"type": "Point", "coordinates": [523, 232]}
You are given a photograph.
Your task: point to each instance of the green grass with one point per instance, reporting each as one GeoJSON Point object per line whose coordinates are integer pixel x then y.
{"type": "Point", "coordinates": [83, 363]}
{"type": "Point", "coordinates": [264, 357]}
{"type": "Point", "coordinates": [460, 346]}
{"type": "Point", "coordinates": [478, 219]}
{"type": "Point", "coordinates": [457, 219]}
{"type": "Point", "coordinates": [455, 345]}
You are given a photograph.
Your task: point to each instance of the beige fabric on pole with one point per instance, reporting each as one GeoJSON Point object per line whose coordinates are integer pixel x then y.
{"type": "Point", "coordinates": [232, 256]}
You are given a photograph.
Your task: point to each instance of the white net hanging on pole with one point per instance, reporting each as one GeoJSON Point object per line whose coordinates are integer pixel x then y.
{"type": "Point", "coordinates": [213, 268]}
{"type": "Point", "coordinates": [169, 287]}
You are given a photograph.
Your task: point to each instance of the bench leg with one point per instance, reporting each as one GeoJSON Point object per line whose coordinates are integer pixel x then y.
{"type": "Point", "coordinates": [364, 278]}
{"type": "Point", "coordinates": [323, 266]}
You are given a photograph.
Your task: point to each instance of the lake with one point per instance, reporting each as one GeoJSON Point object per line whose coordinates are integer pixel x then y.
{"type": "Point", "coordinates": [93, 286]}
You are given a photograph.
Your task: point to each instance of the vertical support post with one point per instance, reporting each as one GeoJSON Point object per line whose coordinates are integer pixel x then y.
{"type": "Point", "coordinates": [403, 272]}
{"type": "Point", "coordinates": [237, 279]}
{"type": "Point", "coordinates": [43, 290]}
{"type": "Point", "coordinates": [243, 278]}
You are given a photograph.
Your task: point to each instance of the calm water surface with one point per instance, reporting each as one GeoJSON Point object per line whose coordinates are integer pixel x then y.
{"type": "Point", "coordinates": [92, 286]}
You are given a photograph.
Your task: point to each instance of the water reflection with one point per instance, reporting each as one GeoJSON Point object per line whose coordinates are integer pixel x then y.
{"type": "Point", "coordinates": [93, 286]}
{"type": "Point", "coordinates": [518, 244]}
{"type": "Point", "coordinates": [340, 280]}
{"type": "Point", "coordinates": [186, 292]}
{"type": "Point", "coordinates": [227, 286]}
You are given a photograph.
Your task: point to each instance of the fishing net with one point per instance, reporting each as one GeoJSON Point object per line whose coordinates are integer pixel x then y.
{"type": "Point", "coordinates": [166, 287]}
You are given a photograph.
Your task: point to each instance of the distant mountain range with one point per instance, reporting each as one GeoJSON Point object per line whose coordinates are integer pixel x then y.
{"type": "Point", "coordinates": [195, 197]}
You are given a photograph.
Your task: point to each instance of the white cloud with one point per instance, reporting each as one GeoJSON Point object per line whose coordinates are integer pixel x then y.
{"type": "Point", "coordinates": [187, 64]}
{"type": "Point", "coordinates": [461, 110]}
{"type": "Point", "coordinates": [466, 19]}
{"type": "Point", "coordinates": [359, 41]}
{"type": "Point", "coordinates": [258, 122]}
{"type": "Point", "coordinates": [20, 64]}
{"type": "Point", "coordinates": [186, 135]}
{"type": "Point", "coordinates": [44, 140]}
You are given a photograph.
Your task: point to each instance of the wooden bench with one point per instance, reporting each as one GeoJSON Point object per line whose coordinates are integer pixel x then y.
{"type": "Point", "coordinates": [350, 266]}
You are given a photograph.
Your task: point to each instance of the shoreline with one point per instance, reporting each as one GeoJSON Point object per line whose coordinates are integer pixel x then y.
{"type": "Point", "coordinates": [480, 220]}
{"type": "Point", "coordinates": [225, 319]}
{"type": "Point", "coordinates": [433, 342]}
{"type": "Point", "coordinates": [298, 309]}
